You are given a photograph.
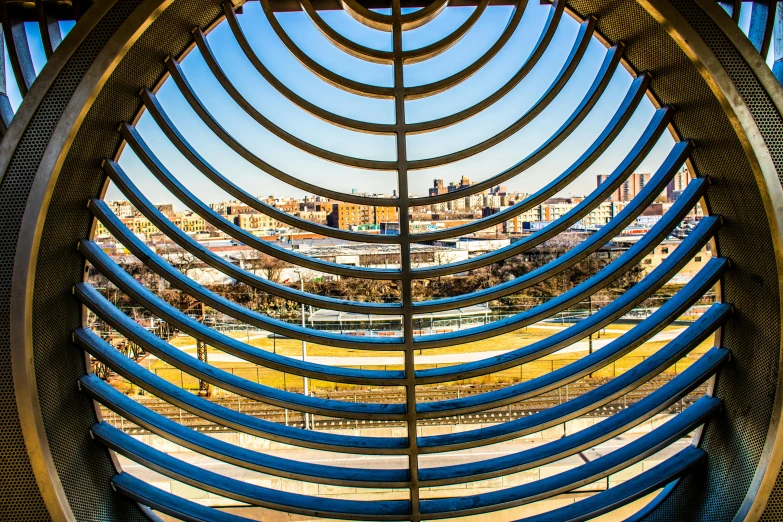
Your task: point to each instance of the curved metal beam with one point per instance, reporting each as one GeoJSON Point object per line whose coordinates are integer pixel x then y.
{"type": "Point", "coordinates": [137, 247]}
{"type": "Point", "coordinates": [651, 405]}
{"type": "Point", "coordinates": [430, 89]}
{"type": "Point", "coordinates": [198, 106]}
{"type": "Point", "coordinates": [703, 232]}
{"type": "Point", "coordinates": [624, 457]}
{"type": "Point", "coordinates": [163, 501]}
{"type": "Point", "coordinates": [583, 38]}
{"type": "Point", "coordinates": [227, 417]}
{"type": "Point", "coordinates": [169, 129]}
{"type": "Point", "coordinates": [183, 322]}
{"type": "Point", "coordinates": [643, 146]}
{"type": "Point", "coordinates": [332, 78]}
{"type": "Point", "coordinates": [49, 27]}
{"type": "Point", "coordinates": [709, 275]}
{"type": "Point", "coordinates": [110, 269]}
{"type": "Point", "coordinates": [580, 252]}
{"type": "Point", "coordinates": [172, 355]}
{"type": "Point", "coordinates": [162, 174]}
{"type": "Point", "coordinates": [700, 330]}
{"type": "Point", "coordinates": [222, 485]}
{"type": "Point", "coordinates": [434, 49]}
{"type": "Point", "coordinates": [637, 90]}
{"type": "Point", "coordinates": [663, 474]}
{"type": "Point", "coordinates": [707, 365]}
{"type": "Point", "coordinates": [383, 22]}
{"type": "Point", "coordinates": [608, 67]}
{"type": "Point", "coordinates": [18, 49]}
{"type": "Point", "coordinates": [236, 455]}
{"type": "Point", "coordinates": [369, 54]}
{"type": "Point", "coordinates": [302, 103]}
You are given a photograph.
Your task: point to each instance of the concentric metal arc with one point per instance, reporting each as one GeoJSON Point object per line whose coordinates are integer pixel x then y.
{"type": "Point", "coordinates": [413, 411]}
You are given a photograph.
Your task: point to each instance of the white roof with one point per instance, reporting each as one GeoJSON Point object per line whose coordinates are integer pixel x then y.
{"type": "Point", "coordinates": [333, 316]}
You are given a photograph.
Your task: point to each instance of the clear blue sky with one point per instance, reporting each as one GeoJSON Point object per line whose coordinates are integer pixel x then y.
{"type": "Point", "coordinates": [327, 174]}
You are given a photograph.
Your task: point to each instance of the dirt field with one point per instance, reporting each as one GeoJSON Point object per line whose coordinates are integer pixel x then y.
{"type": "Point", "coordinates": [510, 341]}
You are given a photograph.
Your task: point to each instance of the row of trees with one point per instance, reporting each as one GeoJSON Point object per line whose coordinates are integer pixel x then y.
{"type": "Point", "coordinates": [382, 291]}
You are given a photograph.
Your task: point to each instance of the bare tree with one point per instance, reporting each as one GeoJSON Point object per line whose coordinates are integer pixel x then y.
{"type": "Point", "coordinates": [179, 258]}
{"type": "Point", "coordinates": [269, 266]}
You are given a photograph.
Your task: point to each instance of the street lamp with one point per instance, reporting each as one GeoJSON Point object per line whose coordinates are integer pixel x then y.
{"type": "Point", "coordinates": [304, 351]}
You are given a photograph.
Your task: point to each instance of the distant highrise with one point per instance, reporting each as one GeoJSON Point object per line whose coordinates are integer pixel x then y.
{"type": "Point", "coordinates": [629, 188]}
{"type": "Point", "coordinates": [438, 187]}
{"type": "Point", "coordinates": [678, 183]}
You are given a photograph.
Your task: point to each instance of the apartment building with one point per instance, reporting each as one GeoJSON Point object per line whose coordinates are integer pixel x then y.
{"type": "Point", "coordinates": [678, 184]}
{"type": "Point", "coordinates": [347, 215]}
{"type": "Point", "coordinates": [629, 188]}
{"type": "Point", "coordinates": [256, 222]}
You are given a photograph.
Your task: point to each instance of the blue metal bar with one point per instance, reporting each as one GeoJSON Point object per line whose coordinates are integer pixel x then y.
{"type": "Point", "coordinates": [328, 76]}
{"type": "Point", "coordinates": [633, 452]}
{"type": "Point", "coordinates": [242, 491]}
{"type": "Point", "coordinates": [163, 501]}
{"type": "Point", "coordinates": [163, 175]}
{"type": "Point", "coordinates": [135, 245]}
{"type": "Point", "coordinates": [649, 138]}
{"type": "Point", "coordinates": [556, 415]}
{"type": "Point", "coordinates": [616, 349]}
{"type": "Point", "coordinates": [197, 330]}
{"type": "Point", "coordinates": [762, 22]}
{"type": "Point", "coordinates": [237, 455]}
{"type": "Point", "coordinates": [245, 197]}
{"type": "Point", "coordinates": [653, 404]}
{"type": "Point", "coordinates": [304, 104]}
{"type": "Point", "coordinates": [430, 89]}
{"type": "Point", "coordinates": [631, 257]}
{"type": "Point", "coordinates": [637, 90]}
{"type": "Point", "coordinates": [225, 380]}
{"type": "Point", "coordinates": [611, 61]}
{"type": "Point", "coordinates": [159, 387]}
{"type": "Point", "coordinates": [607, 232]}
{"type": "Point", "coordinates": [553, 20]}
{"type": "Point", "coordinates": [198, 106]}
{"type": "Point", "coordinates": [627, 491]}
{"type": "Point", "coordinates": [104, 264]}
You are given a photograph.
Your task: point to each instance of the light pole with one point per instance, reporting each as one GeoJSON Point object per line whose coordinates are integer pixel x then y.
{"type": "Point", "coordinates": [304, 352]}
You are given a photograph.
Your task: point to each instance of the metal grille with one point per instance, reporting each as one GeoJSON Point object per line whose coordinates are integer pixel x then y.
{"type": "Point", "coordinates": [412, 412]}
{"type": "Point", "coordinates": [634, 37]}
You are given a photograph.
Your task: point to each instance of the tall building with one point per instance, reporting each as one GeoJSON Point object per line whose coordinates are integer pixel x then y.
{"type": "Point", "coordinates": [629, 188]}
{"type": "Point", "coordinates": [678, 184]}
{"type": "Point", "coordinates": [438, 187]}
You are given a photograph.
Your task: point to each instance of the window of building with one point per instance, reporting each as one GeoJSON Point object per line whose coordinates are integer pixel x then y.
{"type": "Point", "coordinates": [664, 250]}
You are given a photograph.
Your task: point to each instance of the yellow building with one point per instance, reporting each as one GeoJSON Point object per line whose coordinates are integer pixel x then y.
{"type": "Point", "coordinates": [347, 215]}
{"type": "Point", "coordinates": [256, 222]}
